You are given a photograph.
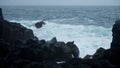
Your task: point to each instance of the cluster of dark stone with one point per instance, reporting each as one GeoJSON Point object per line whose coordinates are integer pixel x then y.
{"type": "Point", "coordinates": [39, 24]}
{"type": "Point", "coordinates": [19, 48]}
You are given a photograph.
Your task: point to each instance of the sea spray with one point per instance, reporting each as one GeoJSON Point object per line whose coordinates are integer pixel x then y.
{"type": "Point", "coordinates": [88, 38]}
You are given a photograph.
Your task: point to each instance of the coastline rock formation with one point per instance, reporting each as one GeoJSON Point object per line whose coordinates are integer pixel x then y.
{"type": "Point", "coordinates": [114, 56]}
{"type": "Point", "coordinates": [11, 31]}
{"type": "Point", "coordinates": [74, 49]}
{"type": "Point", "coordinates": [1, 16]}
{"type": "Point", "coordinates": [19, 48]}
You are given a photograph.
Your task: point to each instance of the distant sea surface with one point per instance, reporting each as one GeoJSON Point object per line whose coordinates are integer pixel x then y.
{"type": "Point", "coordinates": [89, 26]}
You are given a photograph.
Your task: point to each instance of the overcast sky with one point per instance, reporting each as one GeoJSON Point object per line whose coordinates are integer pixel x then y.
{"type": "Point", "coordinates": [59, 2]}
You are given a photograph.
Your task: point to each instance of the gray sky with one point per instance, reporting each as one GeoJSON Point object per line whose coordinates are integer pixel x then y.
{"type": "Point", "coordinates": [59, 2]}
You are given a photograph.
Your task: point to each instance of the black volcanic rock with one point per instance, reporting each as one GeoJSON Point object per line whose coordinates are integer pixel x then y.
{"type": "Point", "coordinates": [115, 45]}
{"type": "Point", "coordinates": [1, 16]}
{"type": "Point", "coordinates": [11, 31]}
{"type": "Point", "coordinates": [99, 53]}
{"type": "Point", "coordinates": [116, 35]}
{"type": "Point", "coordinates": [39, 24]}
{"type": "Point", "coordinates": [74, 49]}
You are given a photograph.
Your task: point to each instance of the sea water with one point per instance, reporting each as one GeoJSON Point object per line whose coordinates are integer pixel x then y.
{"type": "Point", "coordinates": [88, 26]}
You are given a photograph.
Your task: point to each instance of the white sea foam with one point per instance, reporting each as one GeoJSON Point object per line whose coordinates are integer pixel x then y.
{"type": "Point", "coordinates": [87, 37]}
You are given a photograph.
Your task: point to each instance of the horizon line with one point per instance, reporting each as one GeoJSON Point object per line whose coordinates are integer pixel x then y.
{"type": "Point", "coordinates": [59, 5]}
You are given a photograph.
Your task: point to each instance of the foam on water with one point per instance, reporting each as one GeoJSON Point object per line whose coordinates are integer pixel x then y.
{"type": "Point", "coordinates": [87, 37]}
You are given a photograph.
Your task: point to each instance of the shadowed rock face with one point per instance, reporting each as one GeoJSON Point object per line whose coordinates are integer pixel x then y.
{"type": "Point", "coordinates": [1, 16]}
{"type": "Point", "coordinates": [11, 31]}
{"type": "Point", "coordinates": [115, 45]}
{"type": "Point", "coordinates": [39, 24]}
{"type": "Point", "coordinates": [116, 35]}
{"type": "Point", "coordinates": [74, 49]}
{"type": "Point", "coordinates": [99, 53]}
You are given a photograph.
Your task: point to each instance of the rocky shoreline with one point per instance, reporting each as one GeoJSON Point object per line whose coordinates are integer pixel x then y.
{"type": "Point", "coordinates": [19, 48]}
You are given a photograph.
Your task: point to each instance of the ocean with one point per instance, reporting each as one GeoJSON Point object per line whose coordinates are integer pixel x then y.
{"type": "Point", "coordinates": [88, 26]}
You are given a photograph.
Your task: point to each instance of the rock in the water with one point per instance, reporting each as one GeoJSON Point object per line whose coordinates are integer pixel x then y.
{"type": "Point", "coordinates": [39, 24]}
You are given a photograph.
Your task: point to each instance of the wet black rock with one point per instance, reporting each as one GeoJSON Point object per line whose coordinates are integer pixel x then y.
{"type": "Point", "coordinates": [99, 53]}
{"type": "Point", "coordinates": [88, 57]}
{"type": "Point", "coordinates": [1, 15]}
{"type": "Point", "coordinates": [11, 31]}
{"type": "Point", "coordinates": [115, 45]}
{"type": "Point", "coordinates": [74, 49]}
{"type": "Point", "coordinates": [39, 24]}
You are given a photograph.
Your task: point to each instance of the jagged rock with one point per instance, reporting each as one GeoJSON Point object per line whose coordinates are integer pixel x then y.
{"type": "Point", "coordinates": [62, 50]}
{"type": "Point", "coordinates": [88, 57]}
{"type": "Point", "coordinates": [53, 40]}
{"type": "Point", "coordinates": [1, 15]}
{"type": "Point", "coordinates": [39, 24]}
{"type": "Point", "coordinates": [74, 49]}
{"type": "Point", "coordinates": [99, 53]}
{"type": "Point", "coordinates": [11, 31]}
{"type": "Point", "coordinates": [42, 42]}
{"type": "Point", "coordinates": [115, 45]}
{"type": "Point", "coordinates": [116, 35]}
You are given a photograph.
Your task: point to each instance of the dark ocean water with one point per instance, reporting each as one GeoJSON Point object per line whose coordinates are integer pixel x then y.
{"type": "Point", "coordinates": [90, 15]}
{"type": "Point", "coordinates": [89, 26]}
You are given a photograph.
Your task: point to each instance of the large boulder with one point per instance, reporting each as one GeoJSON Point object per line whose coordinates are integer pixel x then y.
{"type": "Point", "coordinates": [74, 49]}
{"type": "Point", "coordinates": [11, 31]}
{"type": "Point", "coordinates": [57, 49]}
{"type": "Point", "coordinates": [62, 50]}
{"type": "Point", "coordinates": [99, 53]}
{"type": "Point", "coordinates": [39, 24]}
